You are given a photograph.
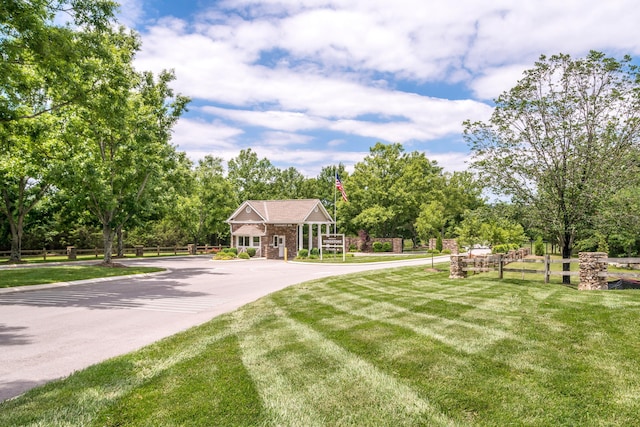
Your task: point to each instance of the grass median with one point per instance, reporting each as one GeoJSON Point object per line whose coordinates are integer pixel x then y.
{"type": "Point", "coordinates": [392, 347]}
{"type": "Point", "coordinates": [15, 277]}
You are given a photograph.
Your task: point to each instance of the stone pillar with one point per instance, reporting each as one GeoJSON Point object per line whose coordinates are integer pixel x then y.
{"type": "Point", "coordinates": [139, 250]}
{"type": "Point", "coordinates": [456, 267]}
{"type": "Point", "coordinates": [192, 249]}
{"type": "Point", "coordinates": [590, 268]}
{"type": "Point", "coordinates": [71, 252]}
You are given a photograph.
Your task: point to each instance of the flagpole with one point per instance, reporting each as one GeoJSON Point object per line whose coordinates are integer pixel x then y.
{"type": "Point", "coordinates": [335, 200]}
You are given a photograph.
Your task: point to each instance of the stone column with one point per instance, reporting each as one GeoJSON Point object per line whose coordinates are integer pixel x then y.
{"type": "Point", "coordinates": [456, 267]}
{"type": "Point", "coordinates": [192, 249]}
{"type": "Point", "coordinates": [139, 250]}
{"type": "Point", "coordinates": [591, 266]}
{"type": "Point", "coordinates": [71, 252]}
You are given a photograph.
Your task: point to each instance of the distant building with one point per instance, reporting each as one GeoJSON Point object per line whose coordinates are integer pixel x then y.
{"type": "Point", "coordinates": [270, 226]}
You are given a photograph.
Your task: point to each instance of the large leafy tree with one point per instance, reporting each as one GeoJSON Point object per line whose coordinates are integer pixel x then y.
{"type": "Point", "coordinates": [252, 178]}
{"type": "Point", "coordinates": [561, 140]}
{"type": "Point", "coordinates": [387, 190]}
{"type": "Point", "coordinates": [202, 210]}
{"type": "Point", "coordinates": [120, 145]}
{"type": "Point", "coordinates": [37, 55]}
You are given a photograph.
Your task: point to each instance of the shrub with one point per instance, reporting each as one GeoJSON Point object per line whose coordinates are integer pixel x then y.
{"type": "Point", "coordinates": [446, 252]}
{"type": "Point", "coordinates": [251, 252]}
{"type": "Point", "coordinates": [314, 251]}
{"type": "Point", "coordinates": [244, 255]}
{"type": "Point", "coordinates": [433, 251]}
{"type": "Point", "coordinates": [303, 253]}
{"type": "Point", "coordinates": [387, 247]}
{"type": "Point", "coordinates": [439, 243]}
{"type": "Point", "coordinates": [233, 251]}
{"type": "Point", "coordinates": [377, 246]}
{"type": "Point", "coordinates": [313, 256]}
{"type": "Point", "coordinates": [352, 248]}
{"type": "Point", "coordinates": [538, 247]}
{"type": "Point", "coordinates": [224, 256]}
{"type": "Point", "coordinates": [503, 249]}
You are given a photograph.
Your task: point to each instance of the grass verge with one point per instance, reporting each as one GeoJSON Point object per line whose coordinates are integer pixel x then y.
{"type": "Point", "coordinates": [393, 347]}
{"type": "Point", "coordinates": [38, 276]}
{"type": "Point", "coordinates": [360, 259]}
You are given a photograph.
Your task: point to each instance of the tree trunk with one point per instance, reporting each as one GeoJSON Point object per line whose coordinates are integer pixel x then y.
{"type": "Point", "coordinates": [566, 254]}
{"type": "Point", "coordinates": [16, 242]}
{"type": "Point", "coordinates": [107, 234]}
{"type": "Point", "coordinates": [120, 244]}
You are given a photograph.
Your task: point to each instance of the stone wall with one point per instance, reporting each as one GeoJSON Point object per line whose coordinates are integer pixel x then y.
{"type": "Point", "coordinates": [590, 268]}
{"type": "Point", "coordinates": [291, 236]}
{"type": "Point", "coordinates": [450, 244]}
{"type": "Point", "coordinates": [396, 243]}
{"type": "Point", "coordinates": [456, 267]}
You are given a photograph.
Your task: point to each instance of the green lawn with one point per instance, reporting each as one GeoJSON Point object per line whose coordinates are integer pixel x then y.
{"type": "Point", "coordinates": [360, 259]}
{"type": "Point", "coordinates": [392, 348]}
{"type": "Point", "coordinates": [37, 276]}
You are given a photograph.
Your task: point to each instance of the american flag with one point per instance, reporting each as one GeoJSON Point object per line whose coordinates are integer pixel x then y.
{"type": "Point", "coordinates": [341, 188]}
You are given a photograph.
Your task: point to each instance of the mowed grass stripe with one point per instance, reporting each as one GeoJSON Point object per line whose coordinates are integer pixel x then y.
{"type": "Point", "coordinates": [306, 379]}
{"type": "Point", "coordinates": [350, 351]}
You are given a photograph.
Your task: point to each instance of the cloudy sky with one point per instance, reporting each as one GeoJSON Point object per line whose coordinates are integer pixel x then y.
{"type": "Point", "coordinates": [310, 83]}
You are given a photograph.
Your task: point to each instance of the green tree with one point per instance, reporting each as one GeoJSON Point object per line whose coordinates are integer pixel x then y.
{"type": "Point", "coordinates": [201, 212]}
{"type": "Point", "coordinates": [561, 140]}
{"type": "Point", "coordinates": [252, 178]}
{"type": "Point", "coordinates": [386, 192]}
{"type": "Point", "coordinates": [120, 139]}
{"type": "Point", "coordinates": [37, 55]}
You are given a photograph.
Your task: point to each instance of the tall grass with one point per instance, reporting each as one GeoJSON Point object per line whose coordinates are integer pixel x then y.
{"type": "Point", "coordinates": [394, 347]}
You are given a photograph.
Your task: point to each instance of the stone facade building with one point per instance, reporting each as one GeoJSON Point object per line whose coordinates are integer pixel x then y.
{"type": "Point", "coordinates": [276, 228]}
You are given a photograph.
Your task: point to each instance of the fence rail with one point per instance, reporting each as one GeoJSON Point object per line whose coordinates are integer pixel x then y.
{"type": "Point", "coordinates": [72, 252]}
{"type": "Point", "coordinates": [593, 268]}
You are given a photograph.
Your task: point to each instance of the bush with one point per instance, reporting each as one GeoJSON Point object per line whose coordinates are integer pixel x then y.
{"type": "Point", "coordinates": [251, 252]}
{"type": "Point", "coordinates": [313, 256]}
{"type": "Point", "coordinates": [439, 243]}
{"type": "Point", "coordinates": [503, 249]}
{"type": "Point", "coordinates": [433, 251]}
{"type": "Point", "coordinates": [233, 251]}
{"type": "Point", "coordinates": [538, 247]}
{"type": "Point", "coordinates": [303, 253]}
{"type": "Point", "coordinates": [352, 248]}
{"type": "Point", "coordinates": [244, 255]}
{"type": "Point", "coordinates": [222, 255]}
{"type": "Point", "coordinates": [446, 252]}
{"type": "Point", "coordinates": [314, 251]}
{"type": "Point", "coordinates": [377, 246]}
{"type": "Point", "coordinates": [387, 247]}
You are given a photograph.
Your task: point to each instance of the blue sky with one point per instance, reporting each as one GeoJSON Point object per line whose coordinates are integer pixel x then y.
{"type": "Point", "coordinates": [310, 83]}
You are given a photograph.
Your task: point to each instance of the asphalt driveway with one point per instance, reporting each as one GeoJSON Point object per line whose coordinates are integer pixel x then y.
{"type": "Point", "coordinates": [48, 332]}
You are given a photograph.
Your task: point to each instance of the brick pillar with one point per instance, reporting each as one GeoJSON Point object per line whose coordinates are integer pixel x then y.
{"type": "Point", "coordinates": [590, 267]}
{"type": "Point", "coordinates": [456, 267]}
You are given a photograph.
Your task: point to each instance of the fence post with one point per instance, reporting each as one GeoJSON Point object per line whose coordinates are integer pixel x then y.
{"type": "Point", "coordinates": [44, 254]}
{"type": "Point", "coordinates": [500, 266]}
{"type": "Point", "coordinates": [456, 267]}
{"type": "Point", "coordinates": [547, 267]}
{"type": "Point", "coordinates": [590, 268]}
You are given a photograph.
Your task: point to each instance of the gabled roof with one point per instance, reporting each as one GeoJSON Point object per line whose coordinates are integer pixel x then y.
{"type": "Point", "coordinates": [300, 211]}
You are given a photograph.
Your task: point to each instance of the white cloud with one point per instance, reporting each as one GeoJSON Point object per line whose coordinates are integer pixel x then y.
{"type": "Point", "coordinates": [289, 68]}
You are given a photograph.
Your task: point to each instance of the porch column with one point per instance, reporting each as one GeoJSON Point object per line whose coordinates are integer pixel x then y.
{"type": "Point", "coordinates": [310, 237]}
{"type": "Point", "coordinates": [300, 236]}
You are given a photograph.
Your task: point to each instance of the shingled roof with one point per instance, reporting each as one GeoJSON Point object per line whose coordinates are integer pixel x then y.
{"type": "Point", "coordinates": [281, 212]}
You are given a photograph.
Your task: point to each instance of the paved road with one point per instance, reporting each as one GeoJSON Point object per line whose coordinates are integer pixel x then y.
{"type": "Point", "coordinates": [50, 331]}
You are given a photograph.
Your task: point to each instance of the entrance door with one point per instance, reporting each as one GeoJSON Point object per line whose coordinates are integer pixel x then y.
{"type": "Point", "coordinates": [281, 246]}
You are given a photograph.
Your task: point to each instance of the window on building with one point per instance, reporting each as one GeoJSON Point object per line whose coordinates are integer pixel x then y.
{"type": "Point", "coordinates": [256, 241]}
{"type": "Point", "coordinates": [243, 241]}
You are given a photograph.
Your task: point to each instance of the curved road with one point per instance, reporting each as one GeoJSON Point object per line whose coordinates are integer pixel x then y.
{"type": "Point", "coordinates": [50, 331]}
